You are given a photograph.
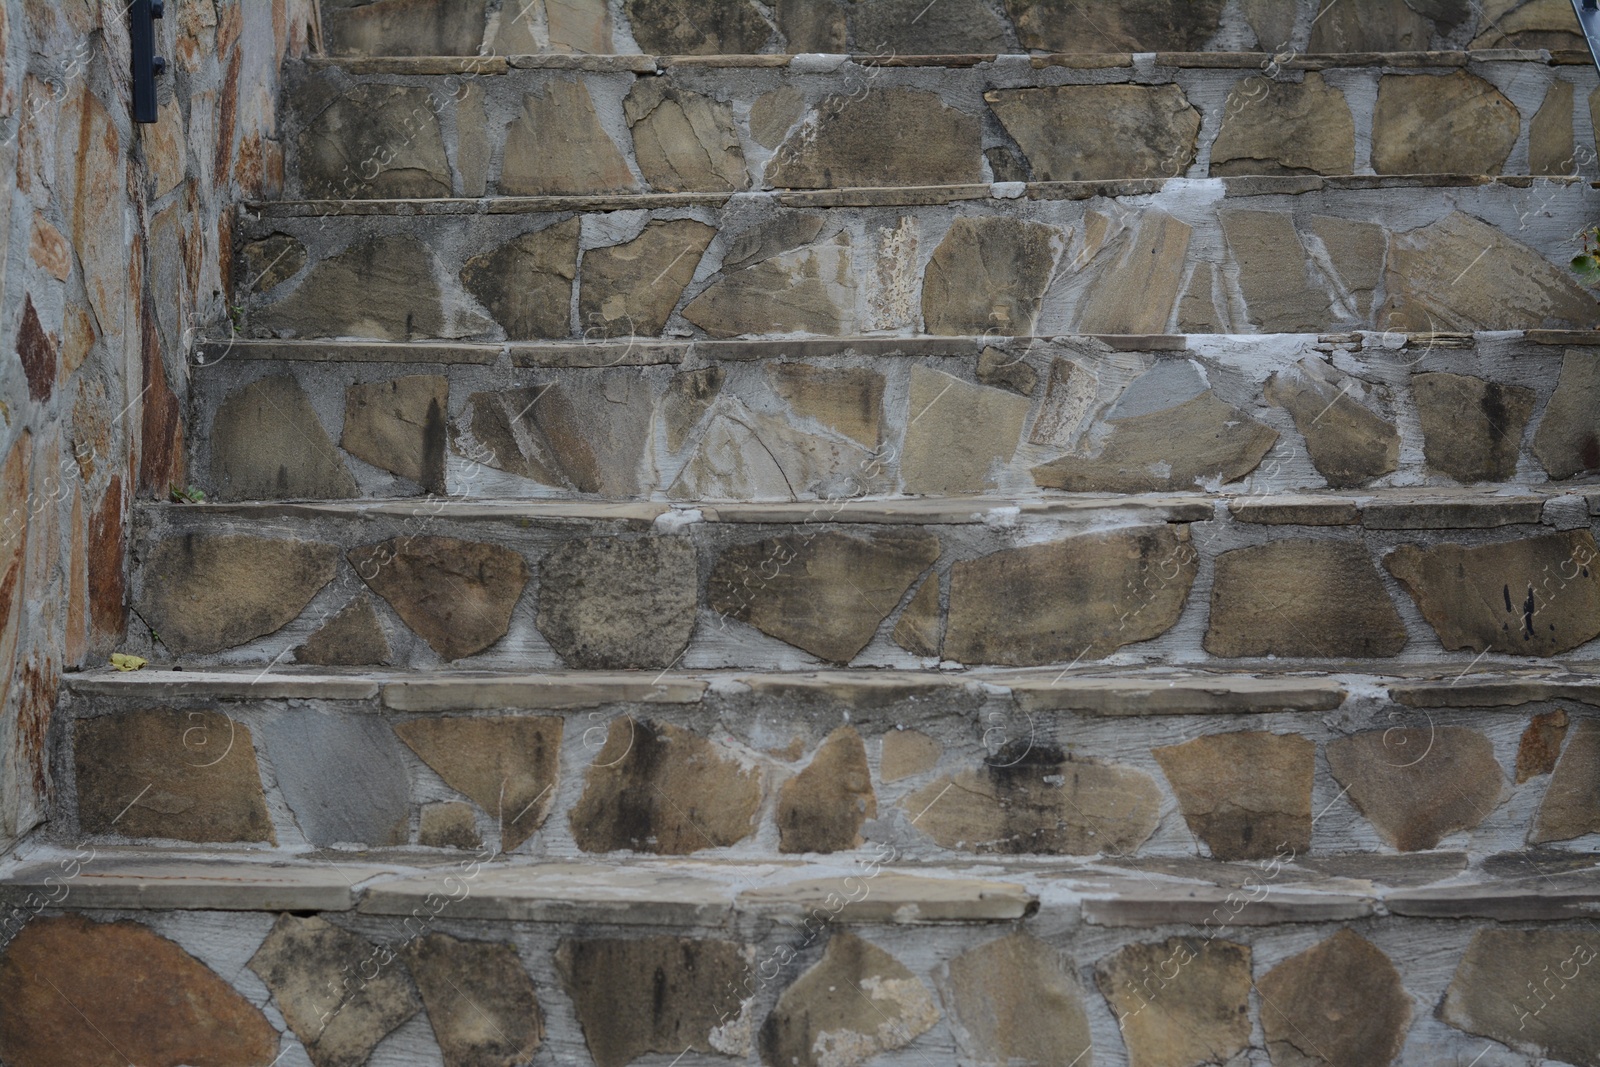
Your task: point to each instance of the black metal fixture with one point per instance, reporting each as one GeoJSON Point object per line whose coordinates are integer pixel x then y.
{"type": "Point", "coordinates": [1589, 20]}
{"type": "Point", "coordinates": [147, 66]}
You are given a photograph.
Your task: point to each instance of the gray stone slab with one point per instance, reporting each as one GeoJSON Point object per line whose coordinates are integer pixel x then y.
{"type": "Point", "coordinates": [541, 691]}
{"type": "Point", "coordinates": [558, 893]}
{"type": "Point", "coordinates": [247, 684]}
{"type": "Point", "coordinates": [190, 884]}
{"type": "Point", "coordinates": [1178, 695]}
{"type": "Point", "coordinates": [891, 897]}
{"type": "Point", "coordinates": [1216, 906]}
{"type": "Point", "coordinates": [343, 777]}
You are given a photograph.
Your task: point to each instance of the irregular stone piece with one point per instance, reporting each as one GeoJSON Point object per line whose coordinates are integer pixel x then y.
{"type": "Point", "coordinates": [1138, 270]}
{"type": "Point", "coordinates": [1302, 598]}
{"type": "Point", "coordinates": [1530, 24]}
{"type": "Point", "coordinates": [1340, 1001]}
{"type": "Point", "coordinates": [457, 595]}
{"type": "Point", "coordinates": [957, 434]}
{"type": "Point", "coordinates": [698, 27]}
{"type": "Point", "coordinates": [267, 444]}
{"type": "Point", "coordinates": [1274, 273]}
{"type": "Point", "coordinates": [1531, 989]}
{"type": "Point", "coordinates": [689, 396]}
{"type": "Point", "coordinates": [527, 283]}
{"type": "Point", "coordinates": [919, 628]}
{"type": "Point", "coordinates": [450, 824]}
{"type": "Point", "coordinates": [372, 140]}
{"type": "Point", "coordinates": [37, 351]}
{"type": "Point", "coordinates": [404, 27]}
{"type": "Point", "coordinates": [1539, 596]}
{"type": "Point", "coordinates": [557, 146]}
{"type": "Point", "coordinates": [669, 995]}
{"type": "Point", "coordinates": [1567, 441]}
{"type": "Point", "coordinates": [631, 288]}
{"type": "Point", "coordinates": [1454, 123]}
{"type": "Point", "coordinates": [1571, 806]}
{"type": "Point", "coordinates": [846, 399]}
{"type": "Point", "coordinates": [1247, 795]}
{"type": "Point", "coordinates": [1015, 1000]}
{"type": "Point", "coordinates": [658, 788]}
{"type": "Point", "coordinates": [1349, 444]}
{"type": "Point", "coordinates": [1418, 783]}
{"type": "Point", "coordinates": [1355, 254]}
{"type": "Point", "coordinates": [343, 777]}
{"type": "Point", "coordinates": [304, 962]}
{"type": "Point", "coordinates": [88, 994]}
{"type": "Point", "coordinates": [1273, 22]}
{"type": "Point", "coordinates": [805, 290]}
{"type": "Point", "coordinates": [271, 261]}
{"type": "Point", "coordinates": [1369, 26]}
{"type": "Point", "coordinates": [1128, 26]}
{"type": "Point", "coordinates": [481, 1003]}
{"type": "Point", "coordinates": [782, 233]}
{"type": "Point", "coordinates": [684, 141]}
{"type": "Point", "coordinates": [1281, 127]}
{"type": "Point", "coordinates": [203, 593]}
{"type": "Point", "coordinates": [609, 604]}
{"type": "Point", "coordinates": [821, 809]}
{"type": "Point", "coordinates": [382, 289]}
{"type": "Point", "coordinates": [1438, 281]}
{"type": "Point", "coordinates": [854, 1003]}
{"type": "Point", "coordinates": [1180, 1002]}
{"type": "Point", "coordinates": [745, 455]}
{"type": "Point", "coordinates": [907, 28]}
{"type": "Point", "coordinates": [399, 426]}
{"type": "Point", "coordinates": [1541, 744]}
{"type": "Point", "coordinates": [592, 440]}
{"type": "Point", "coordinates": [1032, 798]}
{"type": "Point", "coordinates": [1471, 428]}
{"type": "Point", "coordinates": [774, 114]}
{"type": "Point", "coordinates": [881, 137]}
{"type": "Point", "coordinates": [826, 593]}
{"type": "Point", "coordinates": [999, 368]}
{"type": "Point", "coordinates": [352, 638]}
{"type": "Point", "coordinates": [507, 765]}
{"type": "Point", "coordinates": [988, 276]}
{"type": "Point", "coordinates": [908, 753]}
{"type": "Point", "coordinates": [1082, 597]}
{"type": "Point", "coordinates": [186, 776]}
{"type": "Point", "coordinates": [1117, 131]}
{"type": "Point", "coordinates": [1551, 149]}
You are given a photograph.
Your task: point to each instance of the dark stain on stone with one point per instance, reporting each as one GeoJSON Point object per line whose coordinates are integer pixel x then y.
{"type": "Point", "coordinates": [1505, 590]}
{"type": "Point", "coordinates": [1018, 772]}
{"type": "Point", "coordinates": [1589, 451]}
{"type": "Point", "coordinates": [38, 353]}
{"type": "Point", "coordinates": [434, 437]}
{"type": "Point", "coordinates": [1527, 616]}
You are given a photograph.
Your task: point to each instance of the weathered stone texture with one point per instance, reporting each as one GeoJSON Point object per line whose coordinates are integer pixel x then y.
{"type": "Point", "coordinates": [1550, 142]}
{"type": "Point", "coordinates": [481, 1003]}
{"type": "Point", "coordinates": [1567, 441]}
{"type": "Point", "coordinates": [854, 1003]}
{"type": "Point", "coordinates": [1369, 26]}
{"type": "Point", "coordinates": [352, 638]}
{"type": "Point", "coordinates": [404, 27]}
{"type": "Point", "coordinates": [631, 288]}
{"type": "Point", "coordinates": [1016, 1000]}
{"type": "Point", "coordinates": [456, 595]}
{"type": "Point", "coordinates": [270, 261]}
{"type": "Point", "coordinates": [1471, 428]}
{"type": "Point", "coordinates": [1275, 273]}
{"type": "Point", "coordinates": [1356, 253]}
{"type": "Point", "coordinates": [606, 603]}
{"type": "Point", "coordinates": [1541, 744]}
{"type": "Point", "coordinates": [688, 397]}
{"type": "Point", "coordinates": [1339, 1002]}
{"type": "Point", "coordinates": [1350, 445]}
{"type": "Point", "coordinates": [588, 161]}
{"type": "Point", "coordinates": [508, 765]}
{"type": "Point", "coordinates": [1179, 1002]}
{"type": "Point", "coordinates": [881, 137]}
{"type": "Point", "coordinates": [591, 440]}
{"type": "Point", "coordinates": [1116, 131]}
{"type": "Point", "coordinates": [1128, 26]}
{"type": "Point", "coordinates": [343, 777]}
{"type": "Point", "coordinates": [373, 140]}
{"type": "Point", "coordinates": [988, 276]}
{"type": "Point", "coordinates": [906, 754]}
{"type": "Point", "coordinates": [1283, 127]}
{"type": "Point", "coordinates": [905, 27]}
{"type": "Point", "coordinates": [399, 426]}
{"type": "Point", "coordinates": [449, 824]}
{"type": "Point", "coordinates": [774, 113]}
{"type": "Point", "coordinates": [1418, 784]}
{"type": "Point", "coordinates": [746, 455]}
{"type": "Point", "coordinates": [811, 289]}
{"type": "Point", "coordinates": [526, 284]}
{"type": "Point", "coordinates": [1138, 266]}
{"type": "Point", "coordinates": [1527, 24]}
{"type": "Point", "coordinates": [1246, 795]}
{"type": "Point", "coordinates": [1571, 806]}
{"type": "Point", "coordinates": [267, 444]}
{"type": "Point", "coordinates": [999, 368]}
{"type": "Point", "coordinates": [920, 627]}
{"type": "Point", "coordinates": [698, 27]}
{"type": "Point", "coordinates": [957, 434]}
{"type": "Point", "coordinates": [383, 289]}
{"type": "Point", "coordinates": [821, 809]}
{"type": "Point", "coordinates": [846, 399]}
{"type": "Point", "coordinates": [1295, 597]}
{"type": "Point", "coordinates": [684, 141]}
{"type": "Point", "coordinates": [1455, 123]}
{"type": "Point", "coordinates": [1530, 989]}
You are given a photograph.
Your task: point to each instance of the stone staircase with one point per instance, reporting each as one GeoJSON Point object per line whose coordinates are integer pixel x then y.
{"type": "Point", "coordinates": [819, 533]}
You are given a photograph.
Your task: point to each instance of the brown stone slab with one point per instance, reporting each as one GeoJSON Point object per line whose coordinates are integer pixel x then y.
{"type": "Point", "coordinates": [158, 686]}
{"type": "Point", "coordinates": [1195, 905]}
{"type": "Point", "coordinates": [423, 65]}
{"type": "Point", "coordinates": [1564, 337]}
{"type": "Point", "coordinates": [558, 893]}
{"type": "Point", "coordinates": [190, 884]}
{"type": "Point", "coordinates": [212, 352]}
{"type": "Point", "coordinates": [588, 64]}
{"type": "Point", "coordinates": [1495, 692]}
{"type": "Point", "coordinates": [1291, 510]}
{"type": "Point", "coordinates": [1528, 900]}
{"type": "Point", "coordinates": [540, 692]}
{"type": "Point", "coordinates": [1194, 695]}
{"type": "Point", "coordinates": [634, 352]}
{"type": "Point", "coordinates": [1466, 514]}
{"type": "Point", "coordinates": [891, 897]}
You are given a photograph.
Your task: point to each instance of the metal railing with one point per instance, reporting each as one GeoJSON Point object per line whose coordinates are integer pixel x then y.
{"type": "Point", "coordinates": [147, 66]}
{"type": "Point", "coordinates": [1589, 19]}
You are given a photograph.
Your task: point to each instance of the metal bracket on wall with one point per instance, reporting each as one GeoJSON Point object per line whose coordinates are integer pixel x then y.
{"type": "Point", "coordinates": [1589, 19]}
{"type": "Point", "coordinates": [147, 66]}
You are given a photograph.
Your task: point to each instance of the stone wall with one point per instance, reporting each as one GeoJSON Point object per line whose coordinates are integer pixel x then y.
{"type": "Point", "coordinates": [116, 244]}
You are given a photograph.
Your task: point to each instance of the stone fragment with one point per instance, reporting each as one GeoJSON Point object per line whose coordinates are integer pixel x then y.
{"type": "Point", "coordinates": [1454, 123]}
{"type": "Point", "coordinates": [267, 444]}
{"type": "Point", "coordinates": [610, 604]}
{"type": "Point", "coordinates": [1349, 444]}
{"type": "Point", "coordinates": [958, 435]}
{"type": "Point", "coordinates": [1471, 428]}
{"type": "Point", "coordinates": [507, 765]}
{"type": "Point", "coordinates": [579, 26]}
{"type": "Point", "coordinates": [372, 140]}
{"type": "Point", "coordinates": [988, 276]}
{"type": "Point", "coordinates": [698, 27]}
{"type": "Point", "coordinates": [846, 399]}
{"type": "Point", "coordinates": [906, 754]}
{"type": "Point", "coordinates": [89, 994]}
{"type": "Point", "coordinates": [185, 776]}
{"type": "Point", "coordinates": [779, 234]}
{"type": "Point", "coordinates": [1369, 26]}
{"type": "Point", "coordinates": [881, 137]}
{"type": "Point", "coordinates": [804, 290]}
{"type": "Point", "coordinates": [631, 288]}
{"type": "Point", "coordinates": [472, 139]}
{"type": "Point", "coordinates": [343, 777]}
{"type": "Point", "coordinates": [49, 249]}
{"type": "Point", "coordinates": [1117, 131]}
{"type": "Point", "coordinates": [1015, 1000]}
{"type": "Point", "coordinates": [1547, 601]}
{"type": "Point", "coordinates": [91, 161]}
{"type": "Point", "coordinates": [1070, 398]}
{"type": "Point", "coordinates": [852, 1004]}
{"type": "Point", "coordinates": [826, 593]}
{"type": "Point", "coordinates": [684, 141]}
{"type": "Point", "coordinates": [774, 114]}
{"type": "Point", "coordinates": [1530, 989]}
{"type": "Point", "coordinates": [1340, 1001]}
{"type": "Point", "coordinates": [1033, 798]}
{"type": "Point", "coordinates": [1274, 273]}
{"type": "Point", "coordinates": [1201, 310]}
{"type": "Point", "coordinates": [670, 995]}
{"type": "Point", "coordinates": [352, 638]}
{"type": "Point", "coordinates": [1004, 370]}
{"type": "Point", "coordinates": [37, 351]}
{"type": "Point", "coordinates": [556, 146]}
{"type": "Point", "coordinates": [745, 455]}
{"type": "Point", "coordinates": [1541, 744]}
{"type": "Point", "coordinates": [382, 289]}
{"type": "Point", "coordinates": [1138, 270]}
{"type": "Point", "coordinates": [1418, 784]}
{"type": "Point", "coordinates": [1567, 441]}
{"type": "Point", "coordinates": [1180, 1002]}
{"type": "Point", "coordinates": [1461, 274]}
{"type": "Point", "coordinates": [404, 27]}
{"type": "Point", "coordinates": [1354, 263]}
{"type": "Point", "coordinates": [456, 595]}
{"type": "Point", "coordinates": [399, 426]}
{"type": "Point", "coordinates": [920, 627]}
{"type": "Point", "coordinates": [658, 788]}
{"type": "Point", "coordinates": [1571, 806]}
{"type": "Point", "coordinates": [1282, 127]}
{"type": "Point", "coordinates": [1531, 24]}
{"type": "Point", "coordinates": [449, 824]}
{"type": "Point", "coordinates": [821, 809]}
{"type": "Point", "coordinates": [1247, 795]}
{"type": "Point", "coordinates": [1273, 22]}
{"type": "Point", "coordinates": [1551, 149]}
{"type": "Point", "coordinates": [203, 593]}
{"type": "Point", "coordinates": [481, 1003]}
{"type": "Point", "coordinates": [907, 28]}
{"type": "Point", "coordinates": [811, 27]}
{"type": "Point", "coordinates": [271, 261]}
{"type": "Point", "coordinates": [1129, 26]}
{"type": "Point", "coordinates": [306, 963]}
{"type": "Point", "coordinates": [1081, 597]}
{"type": "Point", "coordinates": [1199, 440]}
{"type": "Point", "coordinates": [592, 440]}
{"type": "Point", "coordinates": [526, 284]}
{"type": "Point", "coordinates": [688, 397]}
{"type": "Point", "coordinates": [1302, 598]}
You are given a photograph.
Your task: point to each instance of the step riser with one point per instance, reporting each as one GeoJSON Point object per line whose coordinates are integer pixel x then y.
{"type": "Point", "coordinates": [719, 130]}
{"type": "Point", "coordinates": [1131, 264]}
{"type": "Point", "coordinates": [258, 437]}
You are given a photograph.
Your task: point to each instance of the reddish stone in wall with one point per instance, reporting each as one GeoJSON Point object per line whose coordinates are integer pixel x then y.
{"type": "Point", "coordinates": [38, 352]}
{"type": "Point", "coordinates": [13, 541]}
{"type": "Point", "coordinates": [107, 582]}
{"type": "Point", "coordinates": [227, 120]}
{"type": "Point", "coordinates": [161, 449]}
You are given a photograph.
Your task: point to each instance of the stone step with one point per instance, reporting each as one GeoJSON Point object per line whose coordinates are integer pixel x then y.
{"type": "Point", "coordinates": [403, 128]}
{"type": "Point", "coordinates": [301, 961]}
{"type": "Point", "coordinates": [892, 28]}
{"type": "Point", "coordinates": [1237, 256]}
{"type": "Point", "coordinates": [822, 421]}
{"type": "Point", "coordinates": [1156, 764]}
